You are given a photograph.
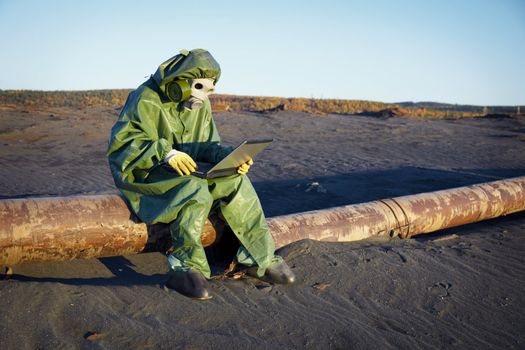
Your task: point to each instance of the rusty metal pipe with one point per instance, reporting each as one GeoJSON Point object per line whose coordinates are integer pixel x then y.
{"type": "Point", "coordinates": [64, 228]}
{"type": "Point", "coordinates": [405, 216]}
{"type": "Point", "coordinates": [78, 227]}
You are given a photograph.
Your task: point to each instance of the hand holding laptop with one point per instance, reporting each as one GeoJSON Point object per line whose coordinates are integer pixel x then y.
{"type": "Point", "coordinates": [244, 167]}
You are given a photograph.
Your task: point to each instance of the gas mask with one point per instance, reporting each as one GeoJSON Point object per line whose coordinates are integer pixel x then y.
{"type": "Point", "coordinates": [201, 89]}
{"type": "Point", "coordinates": [193, 92]}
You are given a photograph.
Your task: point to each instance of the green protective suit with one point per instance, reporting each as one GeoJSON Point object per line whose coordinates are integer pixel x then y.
{"type": "Point", "coordinates": [148, 127]}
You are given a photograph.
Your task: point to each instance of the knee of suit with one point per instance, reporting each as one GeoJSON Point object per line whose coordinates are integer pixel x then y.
{"type": "Point", "coordinates": [200, 192]}
{"type": "Point", "coordinates": [227, 186]}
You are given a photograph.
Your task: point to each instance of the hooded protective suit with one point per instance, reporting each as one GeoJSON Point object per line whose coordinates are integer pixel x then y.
{"type": "Point", "coordinates": [149, 126]}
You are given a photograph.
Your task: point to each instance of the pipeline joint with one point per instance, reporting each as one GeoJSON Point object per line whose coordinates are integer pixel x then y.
{"type": "Point", "coordinates": [401, 226]}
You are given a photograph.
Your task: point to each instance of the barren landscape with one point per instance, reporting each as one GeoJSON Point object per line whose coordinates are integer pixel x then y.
{"type": "Point", "coordinates": [459, 288]}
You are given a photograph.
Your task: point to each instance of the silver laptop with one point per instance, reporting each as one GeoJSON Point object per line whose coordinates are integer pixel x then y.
{"type": "Point", "coordinates": [228, 166]}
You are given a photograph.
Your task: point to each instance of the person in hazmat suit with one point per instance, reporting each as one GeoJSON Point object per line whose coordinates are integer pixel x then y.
{"type": "Point", "coordinates": [164, 128]}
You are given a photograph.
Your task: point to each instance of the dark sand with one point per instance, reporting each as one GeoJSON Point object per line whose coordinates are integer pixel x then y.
{"type": "Point", "coordinates": [466, 291]}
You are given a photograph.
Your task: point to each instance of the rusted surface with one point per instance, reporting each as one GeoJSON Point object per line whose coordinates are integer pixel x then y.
{"type": "Point", "coordinates": [64, 228]}
{"type": "Point", "coordinates": [340, 224]}
{"type": "Point", "coordinates": [405, 216]}
{"type": "Point", "coordinates": [455, 207]}
{"type": "Point", "coordinates": [76, 227]}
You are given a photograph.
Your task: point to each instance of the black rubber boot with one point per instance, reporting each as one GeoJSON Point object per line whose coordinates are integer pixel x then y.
{"type": "Point", "coordinates": [189, 283]}
{"type": "Point", "coordinates": [279, 274]}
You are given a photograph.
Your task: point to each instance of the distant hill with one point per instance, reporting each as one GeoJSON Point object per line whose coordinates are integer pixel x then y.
{"type": "Point", "coordinates": [117, 97]}
{"type": "Point", "coordinates": [465, 108]}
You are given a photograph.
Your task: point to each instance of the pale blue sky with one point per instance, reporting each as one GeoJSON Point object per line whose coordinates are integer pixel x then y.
{"type": "Point", "coordinates": [457, 51]}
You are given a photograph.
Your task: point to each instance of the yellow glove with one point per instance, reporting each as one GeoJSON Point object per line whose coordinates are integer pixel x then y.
{"type": "Point", "coordinates": [182, 163]}
{"type": "Point", "coordinates": [243, 169]}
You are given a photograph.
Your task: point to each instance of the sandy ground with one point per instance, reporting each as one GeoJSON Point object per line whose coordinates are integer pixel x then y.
{"type": "Point", "coordinates": [466, 291]}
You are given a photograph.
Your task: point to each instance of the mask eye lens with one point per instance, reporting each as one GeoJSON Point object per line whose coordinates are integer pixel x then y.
{"type": "Point", "coordinates": [198, 86]}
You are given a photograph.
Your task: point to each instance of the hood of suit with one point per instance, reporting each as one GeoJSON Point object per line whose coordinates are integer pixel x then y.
{"type": "Point", "coordinates": [194, 64]}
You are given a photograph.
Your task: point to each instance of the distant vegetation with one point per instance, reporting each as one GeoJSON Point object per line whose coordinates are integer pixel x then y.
{"type": "Point", "coordinates": [74, 99]}
{"type": "Point", "coordinates": [117, 97]}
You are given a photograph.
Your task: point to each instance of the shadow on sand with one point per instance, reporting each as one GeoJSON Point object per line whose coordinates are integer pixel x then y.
{"type": "Point", "coordinates": [298, 195]}
{"type": "Point", "coordinates": [121, 267]}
